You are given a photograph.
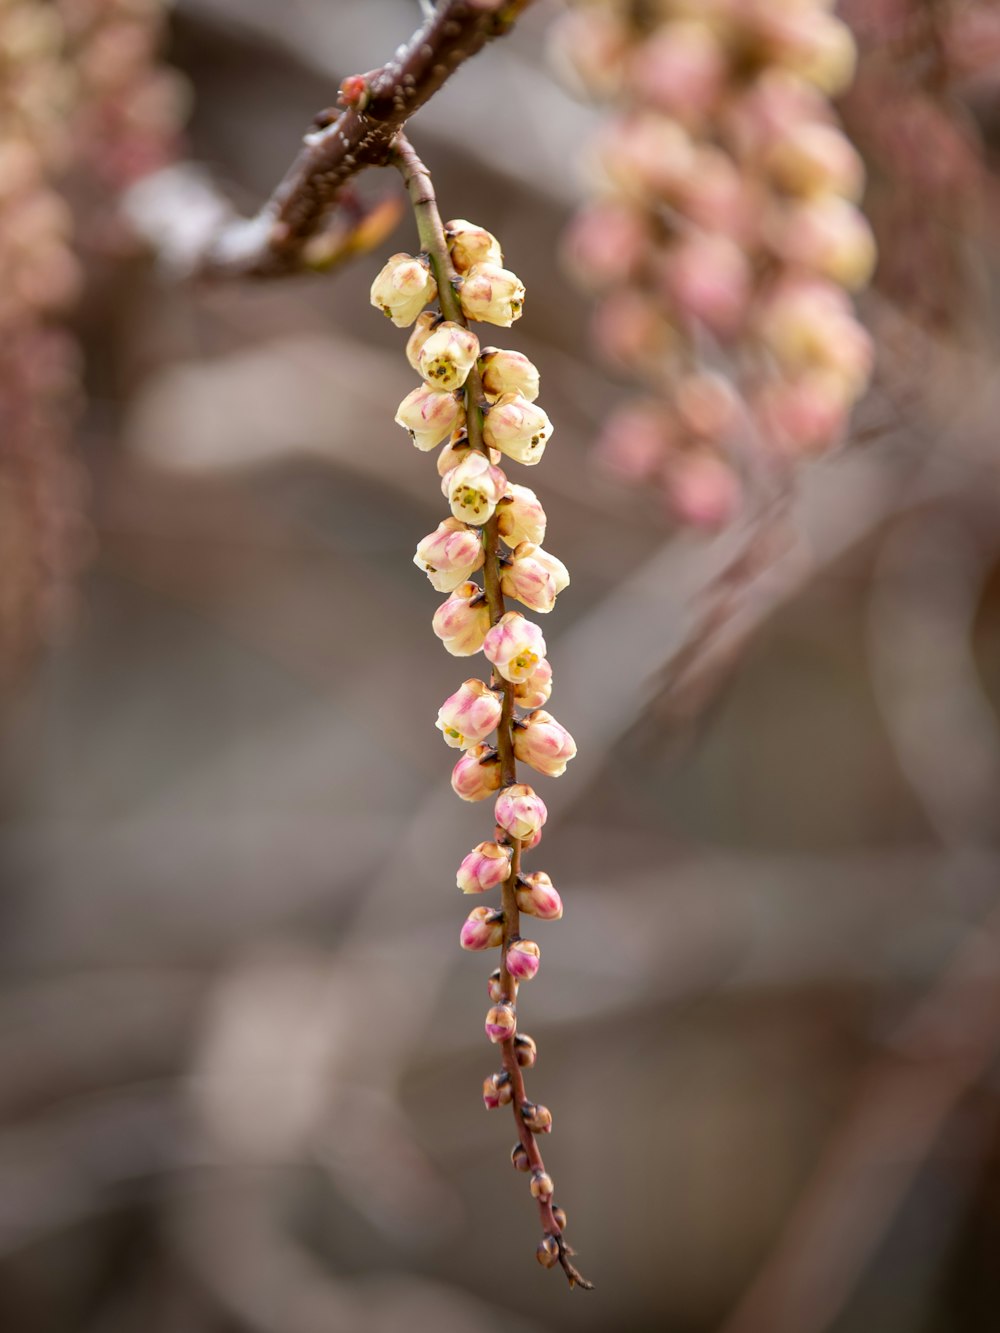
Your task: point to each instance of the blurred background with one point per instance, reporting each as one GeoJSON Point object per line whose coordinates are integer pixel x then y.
{"type": "Point", "coordinates": [241, 1050]}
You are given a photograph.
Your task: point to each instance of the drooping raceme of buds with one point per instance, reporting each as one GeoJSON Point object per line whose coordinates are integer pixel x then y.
{"type": "Point", "coordinates": [469, 715]}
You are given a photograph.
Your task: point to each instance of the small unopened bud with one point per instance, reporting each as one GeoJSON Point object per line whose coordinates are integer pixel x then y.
{"type": "Point", "coordinates": [830, 235]}
{"type": "Point", "coordinates": [560, 1217]}
{"type": "Point", "coordinates": [454, 452]}
{"type": "Point", "coordinates": [535, 691]}
{"type": "Point", "coordinates": [519, 811]}
{"type": "Point", "coordinates": [547, 1253]}
{"type": "Point", "coordinates": [813, 158]}
{"type": "Point", "coordinates": [702, 489]}
{"type": "Point", "coordinates": [492, 295]}
{"type": "Point", "coordinates": [485, 867]}
{"type": "Point", "coordinates": [491, 1097]}
{"type": "Point", "coordinates": [544, 743]}
{"type": "Point", "coordinates": [519, 1158]}
{"type": "Point", "coordinates": [538, 1118]}
{"type": "Point", "coordinates": [520, 516]}
{"type": "Point", "coordinates": [517, 428]}
{"type": "Point", "coordinates": [525, 1050]}
{"type": "Point", "coordinates": [515, 646]}
{"type": "Point", "coordinates": [494, 986]}
{"type": "Point", "coordinates": [473, 488]}
{"type": "Point", "coordinates": [470, 245]}
{"type": "Point", "coordinates": [541, 1185]}
{"type": "Point", "coordinates": [483, 929]}
{"type": "Point", "coordinates": [605, 244]}
{"type": "Point", "coordinates": [429, 416]}
{"type": "Point", "coordinates": [447, 356]}
{"type": "Point", "coordinates": [523, 958]}
{"type": "Point", "coordinates": [402, 289]}
{"type": "Point", "coordinates": [462, 621]}
{"type": "Point", "coordinates": [450, 554]}
{"type": "Point", "coordinates": [501, 1023]}
{"type": "Point", "coordinates": [477, 774]}
{"type": "Point", "coordinates": [537, 896]}
{"type": "Point", "coordinates": [497, 1090]}
{"type": "Point", "coordinates": [507, 372]}
{"type": "Point", "coordinates": [709, 278]}
{"type": "Point", "coordinates": [426, 323]}
{"type": "Point", "coordinates": [681, 69]}
{"type": "Point", "coordinates": [469, 715]}
{"type": "Point", "coordinates": [534, 577]}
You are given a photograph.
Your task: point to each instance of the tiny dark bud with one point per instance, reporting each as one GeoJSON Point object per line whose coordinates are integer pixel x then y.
{"type": "Point", "coordinates": [525, 1050]}
{"type": "Point", "coordinates": [541, 1185]}
{"type": "Point", "coordinates": [519, 1158]}
{"type": "Point", "coordinates": [537, 1118]}
{"type": "Point", "coordinates": [560, 1215]}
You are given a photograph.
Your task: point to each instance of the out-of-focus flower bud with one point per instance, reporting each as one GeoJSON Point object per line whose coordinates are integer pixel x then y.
{"type": "Point", "coordinates": [807, 324]}
{"type": "Point", "coordinates": [706, 404]}
{"type": "Point", "coordinates": [473, 488]}
{"type": "Point", "coordinates": [519, 1158]}
{"type": "Point", "coordinates": [541, 1185]}
{"type": "Point", "coordinates": [501, 1023]}
{"type": "Point", "coordinates": [477, 774]}
{"type": "Point", "coordinates": [702, 489]}
{"type": "Point", "coordinates": [807, 415]}
{"type": "Point", "coordinates": [587, 48]}
{"type": "Point", "coordinates": [631, 332]}
{"type": "Point", "coordinates": [830, 235]}
{"type": "Point", "coordinates": [813, 158]}
{"type": "Point", "coordinates": [402, 289]}
{"type": "Point", "coordinates": [485, 867]}
{"type": "Point", "coordinates": [523, 959]}
{"type": "Point", "coordinates": [525, 1050]}
{"type": "Point", "coordinates": [447, 355]}
{"type": "Point", "coordinates": [544, 743]}
{"type": "Point", "coordinates": [816, 46]}
{"type": "Point", "coordinates": [492, 295]}
{"type": "Point", "coordinates": [469, 715]}
{"type": "Point", "coordinates": [708, 277]}
{"type": "Point", "coordinates": [535, 691]}
{"type": "Point", "coordinates": [519, 811]}
{"type": "Point", "coordinates": [520, 516]}
{"type": "Point", "coordinates": [646, 155]}
{"type": "Point", "coordinates": [547, 1253]}
{"type": "Point", "coordinates": [534, 577]}
{"type": "Point", "coordinates": [483, 929]}
{"type": "Point", "coordinates": [605, 244]}
{"type": "Point", "coordinates": [508, 372]}
{"type": "Point", "coordinates": [515, 646]}
{"type": "Point", "coordinates": [462, 621]}
{"type": "Point", "coordinates": [634, 440]}
{"type": "Point", "coordinates": [537, 896]}
{"type": "Point", "coordinates": [450, 554]}
{"type": "Point", "coordinates": [560, 1217]}
{"type": "Point", "coordinates": [680, 69]}
{"type": "Point", "coordinates": [426, 323]}
{"type": "Point", "coordinates": [470, 245]}
{"type": "Point", "coordinates": [430, 416]}
{"type": "Point", "coordinates": [517, 428]}
{"type": "Point", "coordinates": [538, 1118]}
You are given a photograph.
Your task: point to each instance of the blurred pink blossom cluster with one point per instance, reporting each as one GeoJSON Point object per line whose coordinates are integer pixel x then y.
{"type": "Point", "coordinates": [723, 238]}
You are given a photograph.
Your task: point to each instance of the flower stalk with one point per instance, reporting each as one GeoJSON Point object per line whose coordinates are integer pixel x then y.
{"type": "Point", "coordinates": [463, 259]}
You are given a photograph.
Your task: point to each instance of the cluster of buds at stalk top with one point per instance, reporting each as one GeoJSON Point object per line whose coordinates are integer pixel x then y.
{"type": "Point", "coordinates": [479, 406]}
{"type": "Point", "coordinates": [723, 241]}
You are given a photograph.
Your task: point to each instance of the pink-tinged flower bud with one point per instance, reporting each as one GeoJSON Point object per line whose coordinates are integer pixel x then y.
{"type": "Point", "coordinates": [450, 554]}
{"type": "Point", "coordinates": [426, 323]}
{"type": "Point", "coordinates": [816, 46]}
{"type": "Point", "coordinates": [680, 70]}
{"type": "Point", "coordinates": [605, 244]}
{"type": "Point", "coordinates": [486, 867]}
{"type": "Point", "coordinates": [477, 774]}
{"type": "Point", "coordinates": [525, 1050]}
{"type": "Point", "coordinates": [537, 1118]}
{"type": "Point", "coordinates": [507, 372]}
{"type": "Point", "coordinates": [402, 289]}
{"type": "Point", "coordinates": [492, 295]}
{"type": "Point", "coordinates": [523, 959]}
{"type": "Point", "coordinates": [473, 488]}
{"type": "Point", "coordinates": [520, 517]}
{"type": "Point", "coordinates": [462, 621]}
{"type": "Point", "coordinates": [497, 1090]}
{"type": "Point", "coordinates": [430, 416]}
{"type": "Point", "coordinates": [532, 840]}
{"type": "Point", "coordinates": [515, 646]}
{"type": "Point", "coordinates": [537, 896]}
{"type": "Point", "coordinates": [709, 278]}
{"type": "Point", "coordinates": [808, 325]}
{"type": "Point", "coordinates": [560, 1218]}
{"type": "Point", "coordinates": [635, 440]}
{"type": "Point", "coordinates": [587, 48]}
{"type": "Point", "coordinates": [447, 356]}
{"type": "Point", "coordinates": [702, 489]}
{"type": "Point", "coordinates": [813, 158]}
{"type": "Point", "coordinates": [547, 1253]}
{"type": "Point", "coordinates": [707, 404]}
{"type": "Point", "coordinates": [646, 155]}
{"type": "Point", "coordinates": [534, 691]}
{"type": "Point", "coordinates": [517, 428]}
{"type": "Point", "coordinates": [829, 235]}
{"type": "Point", "coordinates": [519, 811]}
{"type": "Point", "coordinates": [491, 1097]}
{"type": "Point", "coordinates": [519, 1158]}
{"type": "Point", "coordinates": [483, 929]}
{"type": "Point", "coordinates": [544, 743]}
{"type": "Point", "coordinates": [469, 715]}
{"type": "Point", "coordinates": [470, 245]}
{"type": "Point", "coordinates": [807, 415]}
{"type": "Point", "coordinates": [501, 1023]}
{"type": "Point", "coordinates": [541, 1185]}
{"type": "Point", "coordinates": [534, 577]}
{"type": "Point", "coordinates": [631, 330]}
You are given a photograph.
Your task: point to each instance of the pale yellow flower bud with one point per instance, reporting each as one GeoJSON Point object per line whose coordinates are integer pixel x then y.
{"type": "Point", "coordinates": [534, 577]}
{"type": "Point", "coordinates": [470, 245]}
{"type": "Point", "coordinates": [447, 355]}
{"type": "Point", "coordinates": [520, 516]}
{"type": "Point", "coordinates": [508, 372]}
{"type": "Point", "coordinates": [492, 295]}
{"type": "Point", "coordinates": [430, 416]}
{"type": "Point", "coordinates": [517, 428]}
{"type": "Point", "coordinates": [473, 488]}
{"type": "Point", "coordinates": [402, 289]}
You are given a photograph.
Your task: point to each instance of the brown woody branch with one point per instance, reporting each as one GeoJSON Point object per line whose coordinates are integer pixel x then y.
{"type": "Point", "coordinates": [342, 143]}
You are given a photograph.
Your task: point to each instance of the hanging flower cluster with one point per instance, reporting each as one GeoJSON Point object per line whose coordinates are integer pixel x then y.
{"type": "Point", "coordinates": [724, 238]}
{"type": "Point", "coordinates": [478, 406]}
